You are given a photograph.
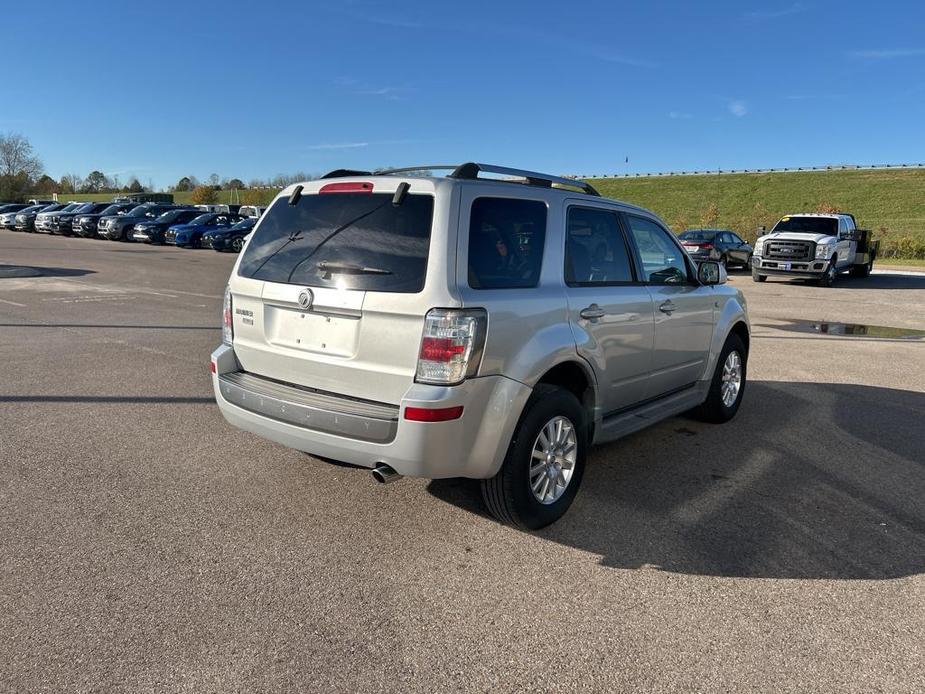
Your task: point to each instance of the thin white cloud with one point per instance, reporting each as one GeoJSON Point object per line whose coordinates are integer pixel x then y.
{"type": "Point", "coordinates": [678, 115]}
{"type": "Point", "coordinates": [813, 97]}
{"type": "Point", "coordinates": [609, 57]}
{"type": "Point", "coordinates": [888, 53]}
{"type": "Point", "coordinates": [776, 13]}
{"type": "Point", "coordinates": [338, 145]}
{"type": "Point", "coordinates": [737, 108]}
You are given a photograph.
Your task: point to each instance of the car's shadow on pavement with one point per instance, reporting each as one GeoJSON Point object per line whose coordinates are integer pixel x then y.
{"type": "Point", "coordinates": [15, 271]}
{"type": "Point", "coordinates": [876, 281]}
{"type": "Point", "coordinates": [811, 480]}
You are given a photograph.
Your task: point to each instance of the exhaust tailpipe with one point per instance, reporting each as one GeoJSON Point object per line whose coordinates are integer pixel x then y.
{"type": "Point", "coordinates": [384, 474]}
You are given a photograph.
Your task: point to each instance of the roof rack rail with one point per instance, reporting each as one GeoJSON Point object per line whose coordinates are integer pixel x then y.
{"type": "Point", "coordinates": [343, 173]}
{"type": "Point", "coordinates": [470, 170]}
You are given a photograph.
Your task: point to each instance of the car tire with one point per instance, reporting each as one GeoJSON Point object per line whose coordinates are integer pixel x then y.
{"type": "Point", "coordinates": [831, 272]}
{"type": "Point", "coordinates": [237, 243]}
{"type": "Point", "coordinates": [127, 235]}
{"type": "Point", "coordinates": [758, 278]}
{"type": "Point", "coordinates": [513, 494]}
{"type": "Point", "coordinates": [722, 404]}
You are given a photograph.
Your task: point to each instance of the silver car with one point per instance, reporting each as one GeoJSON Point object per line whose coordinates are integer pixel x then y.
{"type": "Point", "coordinates": [464, 326]}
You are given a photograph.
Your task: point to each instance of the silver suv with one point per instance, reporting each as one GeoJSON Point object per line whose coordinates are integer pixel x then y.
{"type": "Point", "coordinates": [470, 326]}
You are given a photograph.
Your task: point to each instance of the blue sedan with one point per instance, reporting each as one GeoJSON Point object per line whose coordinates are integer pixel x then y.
{"type": "Point", "coordinates": [190, 235]}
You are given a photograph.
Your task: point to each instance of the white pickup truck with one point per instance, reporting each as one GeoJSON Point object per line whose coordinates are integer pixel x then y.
{"type": "Point", "coordinates": [814, 246]}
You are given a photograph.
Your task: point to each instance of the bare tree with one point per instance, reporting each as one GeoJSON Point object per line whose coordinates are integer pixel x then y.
{"type": "Point", "coordinates": [17, 157]}
{"type": "Point", "coordinates": [71, 183]}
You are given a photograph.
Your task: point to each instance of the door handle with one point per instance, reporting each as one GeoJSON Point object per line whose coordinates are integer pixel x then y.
{"type": "Point", "coordinates": [592, 312]}
{"type": "Point", "coordinates": [667, 307]}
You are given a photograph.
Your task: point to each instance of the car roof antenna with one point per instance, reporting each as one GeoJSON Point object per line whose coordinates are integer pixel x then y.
{"type": "Point", "coordinates": [400, 194]}
{"type": "Point", "coordinates": [296, 196]}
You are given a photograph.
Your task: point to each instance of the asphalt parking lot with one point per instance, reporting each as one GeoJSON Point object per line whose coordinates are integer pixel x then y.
{"type": "Point", "coordinates": [148, 546]}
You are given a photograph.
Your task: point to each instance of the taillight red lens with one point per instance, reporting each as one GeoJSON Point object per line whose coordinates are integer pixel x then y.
{"type": "Point", "coordinates": [440, 349]}
{"type": "Point", "coordinates": [347, 188]}
{"type": "Point", "coordinates": [212, 367]}
{"type": "Point", "coordinates": [708, 246]}
{"type": "Point", "coordinates": [425, 414]}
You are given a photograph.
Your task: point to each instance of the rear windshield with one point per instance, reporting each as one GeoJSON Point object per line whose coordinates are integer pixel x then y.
{"type": "Point", "coordinates": [343, 240]}
{"type": "Point", "coordinates": [698, 235]}
{"type": "Point", "coordinates": [808, 225]}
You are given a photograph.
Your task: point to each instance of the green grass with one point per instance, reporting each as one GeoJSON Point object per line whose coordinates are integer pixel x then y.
{"type": "Point", "coordinates": [906, 262]}
{"type": "Point", "coordinates": [224, 197]}
{"type": "Point", "coordinates": [891, 202]}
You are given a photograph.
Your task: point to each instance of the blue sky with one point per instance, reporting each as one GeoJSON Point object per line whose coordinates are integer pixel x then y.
{"type": "Point", "coordinates": [253, 90]}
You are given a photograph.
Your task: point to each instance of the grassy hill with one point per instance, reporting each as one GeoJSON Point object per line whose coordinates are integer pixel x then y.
{"type": "Point", "coordinates": [890, 201]}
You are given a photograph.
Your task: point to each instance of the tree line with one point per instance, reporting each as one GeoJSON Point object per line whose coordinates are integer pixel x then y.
{"type": "Point", "coordinates": [22, 175]}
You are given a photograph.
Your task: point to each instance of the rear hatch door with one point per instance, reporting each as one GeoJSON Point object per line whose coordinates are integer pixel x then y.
{"type": "Point", "coordinates": [329, 292]}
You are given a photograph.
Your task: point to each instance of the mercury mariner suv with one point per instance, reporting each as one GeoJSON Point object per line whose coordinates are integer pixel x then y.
{"type": "Point", "coordinates": [470, 326]}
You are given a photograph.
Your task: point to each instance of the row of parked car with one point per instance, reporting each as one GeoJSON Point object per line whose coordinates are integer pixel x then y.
{"type": "Point", "coordinates": [220, 227]}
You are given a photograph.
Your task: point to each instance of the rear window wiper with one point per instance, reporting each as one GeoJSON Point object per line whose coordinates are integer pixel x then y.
{"type": "Point", "coordinates": [328, 268]}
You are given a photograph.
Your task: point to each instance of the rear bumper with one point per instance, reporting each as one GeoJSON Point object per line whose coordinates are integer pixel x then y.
{"type": "Point", "coordinates": [371, 433]}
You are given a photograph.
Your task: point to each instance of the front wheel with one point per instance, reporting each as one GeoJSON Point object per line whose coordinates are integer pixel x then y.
{"type": "Point", "coordinates": [545, 462]}
{"type": "Point", "coordinates": [831, 272]}
{"type": "Point", "coordinates": [728, 384]}
{"type": "Point", "coordinates": [237, 243]}
{"type": "Point", "coordinates": [758, 278]}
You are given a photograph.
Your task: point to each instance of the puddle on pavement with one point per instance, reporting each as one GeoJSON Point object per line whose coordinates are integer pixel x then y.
{"type": "Point", "coordinates": [851, 329]}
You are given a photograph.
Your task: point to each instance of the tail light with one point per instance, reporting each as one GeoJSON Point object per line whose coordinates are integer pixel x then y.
{"type": "Point", "coordinates": [227, 327]}
{"type": "Point", "coordinates": [707, 246]}
{"type": "Point", "coordinates": [451, 346]}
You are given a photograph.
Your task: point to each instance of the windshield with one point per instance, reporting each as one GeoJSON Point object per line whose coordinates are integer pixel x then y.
{"type": "Point", "coordinates": [346, 241]}
{"type": "Point", "coordinates": [171, 215]}
{"type": "Point", "coordinates": [245, 224]}
{"type": "Point", "coordinates": [138, 211]}
{"type": "Point", "coordinates": [808, 225]}
{"type": "Point", "coordinates": [203, 218]}
{"type": "Point", "coordinates": [698, 235]}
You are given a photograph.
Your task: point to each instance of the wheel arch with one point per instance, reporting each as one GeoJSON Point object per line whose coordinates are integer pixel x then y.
{"type": "Point", "coordinates": [575, 376]}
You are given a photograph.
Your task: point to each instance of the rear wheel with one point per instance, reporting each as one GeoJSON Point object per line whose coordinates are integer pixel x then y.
{"type": "Point", "coordinates": [728, 384]}
{"type": "Point", "coordinates": [863, 270]}
{"type": "Point", "coordinates": [545, 461]}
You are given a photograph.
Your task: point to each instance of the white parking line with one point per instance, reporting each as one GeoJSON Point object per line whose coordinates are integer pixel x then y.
{"type": "Point", "coordinates": [12, 303]}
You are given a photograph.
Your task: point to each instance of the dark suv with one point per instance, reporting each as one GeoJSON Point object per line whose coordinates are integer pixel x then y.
{"type": "Point", "coordinates": [717, 244]}
{"type": "Point", "coordinates": [121, 227]}
{"type": "Point", "coordinates": [63, 222]}
{"type": "Point", "coordinates": [153, 231]}
{"type": "Point", "coordinates": [25, 220]}
{"type": "Point", "coordinates": [85, 224]}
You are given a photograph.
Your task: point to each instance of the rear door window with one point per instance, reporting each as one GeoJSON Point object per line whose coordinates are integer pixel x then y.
{"type": "Point", "coordinates": [345, 241]}
{"type": "Point", "coordinates": [595, 249]}
{"type": "Point", "coordinates": [506, 238]}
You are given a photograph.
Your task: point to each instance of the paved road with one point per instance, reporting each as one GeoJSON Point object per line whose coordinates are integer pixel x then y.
{"type": "Point", "coordinates": [146, 546]}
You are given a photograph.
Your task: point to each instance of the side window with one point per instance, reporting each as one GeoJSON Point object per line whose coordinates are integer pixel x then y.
{"type": "Point", "coordinates": [506, 238]}
{"type": "Point", "coordinates": [662, 261]}
{"type": "Point", "coordinates": [842, 227]}
{"type": "Point", "coordinates": [736, 239]}
{"type": "Point", "coordinates": [595, 249]}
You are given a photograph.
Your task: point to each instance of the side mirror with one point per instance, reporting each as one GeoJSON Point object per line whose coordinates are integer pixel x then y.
{"type": "Point", "coordinates": [710, 272]}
